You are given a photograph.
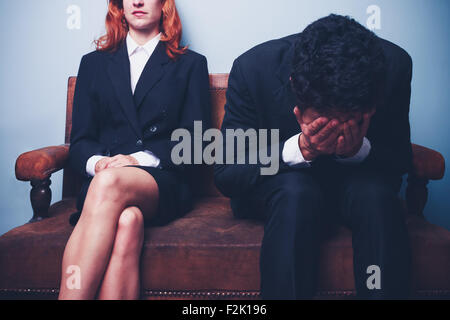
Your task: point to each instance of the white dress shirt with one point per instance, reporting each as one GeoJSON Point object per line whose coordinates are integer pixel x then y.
{"type": "Point", "coordinates": [139, 56]}
{"type": "Point", "coordinates": [293, 156]}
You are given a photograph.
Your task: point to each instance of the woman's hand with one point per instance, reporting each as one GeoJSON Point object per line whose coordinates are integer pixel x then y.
{"type": "Point", "coordinates": [117, 161]}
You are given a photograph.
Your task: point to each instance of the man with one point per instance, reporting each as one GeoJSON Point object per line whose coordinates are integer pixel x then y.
{"type": "Point", "coordinates": [339, 96]}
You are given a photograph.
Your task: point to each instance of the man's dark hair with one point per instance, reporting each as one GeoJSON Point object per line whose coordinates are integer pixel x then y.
{"type": "Point", "coordinates": [338, 65]}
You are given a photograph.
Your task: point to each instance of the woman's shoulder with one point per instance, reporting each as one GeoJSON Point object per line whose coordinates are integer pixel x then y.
{"type": "Point", "coordinates": [191, 57]}
{"type": "Point", "coordinates": [92, 62]}
{"type": "Point", "coordinates": [94, 56]}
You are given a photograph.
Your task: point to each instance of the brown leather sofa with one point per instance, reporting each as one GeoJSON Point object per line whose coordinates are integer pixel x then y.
{"type": "Point", "coordinates": [207, 254]}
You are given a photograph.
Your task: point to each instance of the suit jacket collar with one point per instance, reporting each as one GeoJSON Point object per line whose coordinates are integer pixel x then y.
{"type": "Point", "coordinates": [119, 72]}
{"type": "Point", "coordinates": [152, 73]}
{"type": "Point", "coordinates": [283, 94]}
{"type": "Point", "coordinates": [284, 71]}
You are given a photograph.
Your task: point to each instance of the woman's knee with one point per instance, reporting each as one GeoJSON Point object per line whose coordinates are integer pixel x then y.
{"type": "Point", "coordinates": [105, 186]}
{"type": "Point", "coordinates": [131, 219]}
{"type": "Point", "coordinates": [130, 232]}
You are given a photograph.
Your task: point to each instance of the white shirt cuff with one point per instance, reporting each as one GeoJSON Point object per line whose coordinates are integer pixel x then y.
{"type": "Point", "coordinates": [146, 159]}
{"type": "Point", "coordinates": [360, 156]}
{"type": "Point", "coordinates": [292, 155]}
{"type": "Point", "coordinates": [90, 165]}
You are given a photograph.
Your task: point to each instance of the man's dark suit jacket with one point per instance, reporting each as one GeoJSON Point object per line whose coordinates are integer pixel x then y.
{"type": "Point", "coordinates": [259, 96]}
{"type": "Point", "coordinates": [108, 119]}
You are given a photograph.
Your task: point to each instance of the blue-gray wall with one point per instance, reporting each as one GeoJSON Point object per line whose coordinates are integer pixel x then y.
{"type": "Point", "coordinates": [42, 46]}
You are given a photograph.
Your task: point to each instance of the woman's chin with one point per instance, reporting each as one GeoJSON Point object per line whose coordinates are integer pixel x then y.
{"type": "Point", "coordinates": [142, 27]}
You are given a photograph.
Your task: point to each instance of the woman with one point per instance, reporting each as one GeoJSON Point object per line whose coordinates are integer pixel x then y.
{"type": "Point", "coordinates": [131, 94]}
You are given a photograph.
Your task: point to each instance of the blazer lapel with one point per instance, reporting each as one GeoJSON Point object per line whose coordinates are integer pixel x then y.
{"type": "Point", "coordinates": [119, 72]}
{"type": "Point", "coordinates": [152, 73]}
{"type": "Point", "coordinates": [283, 94]}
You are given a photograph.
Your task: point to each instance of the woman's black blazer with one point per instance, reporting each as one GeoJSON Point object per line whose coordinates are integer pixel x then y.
{"type": "Point", "coordinates": [108, 119]}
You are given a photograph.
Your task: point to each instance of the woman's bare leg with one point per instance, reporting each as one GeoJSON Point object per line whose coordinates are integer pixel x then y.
{"type": "Point", "coordinates": [121, 280]}
{"type": "Point", "coordinates": [90, 245]}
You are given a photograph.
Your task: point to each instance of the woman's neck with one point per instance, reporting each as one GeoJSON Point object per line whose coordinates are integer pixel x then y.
{"type": "Point", "coordinates": [143, 36]}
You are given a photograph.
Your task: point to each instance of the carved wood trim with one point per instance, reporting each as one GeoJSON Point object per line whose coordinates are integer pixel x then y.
{"type": "Point", "coordinates": [40, 196]}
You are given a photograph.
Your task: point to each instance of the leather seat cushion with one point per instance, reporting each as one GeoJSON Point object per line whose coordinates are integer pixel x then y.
{"type": "Point", "coordinates": [208, 250]}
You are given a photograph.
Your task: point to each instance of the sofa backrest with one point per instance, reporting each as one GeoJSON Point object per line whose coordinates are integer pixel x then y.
{"type": "Point", "coordinates": [205, 182]}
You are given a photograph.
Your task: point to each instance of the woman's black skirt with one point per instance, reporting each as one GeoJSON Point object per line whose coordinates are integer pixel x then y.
{"type": "Point", "coordinates": [175, 197]}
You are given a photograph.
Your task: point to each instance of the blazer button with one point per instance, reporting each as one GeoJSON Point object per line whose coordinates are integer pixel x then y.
{"type": "Point", "coordinates": [139, 143]}
{"type": "Point", "coordinates": [153, 129]}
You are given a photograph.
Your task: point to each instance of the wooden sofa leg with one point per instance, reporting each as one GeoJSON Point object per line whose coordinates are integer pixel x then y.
{"type": "Point", "coordinates": [416, 195]}
{"type": "Point", "coordinates": [40, 196]}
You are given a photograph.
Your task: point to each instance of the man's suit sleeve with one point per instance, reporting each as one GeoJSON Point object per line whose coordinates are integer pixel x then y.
{"type": "Point", "coordinates": [85, 121]}
{"type": "Point", "coordinates": [391, 142]}
{"type": "Point", "coordinates": [240, 113]}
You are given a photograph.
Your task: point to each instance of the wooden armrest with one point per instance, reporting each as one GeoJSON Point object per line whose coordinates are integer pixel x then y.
{"type": "Point", "coordinates": [427, 164]}
{"type": "Point", "coordinates": [40, 164]}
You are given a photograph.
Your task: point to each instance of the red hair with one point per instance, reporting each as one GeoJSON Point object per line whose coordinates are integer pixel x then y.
{"type": "Point", "coordinates": [117, 28]}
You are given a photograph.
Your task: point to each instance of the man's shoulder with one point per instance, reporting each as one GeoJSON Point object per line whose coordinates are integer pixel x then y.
{"type": "Point", "coordinates": [397, 57]}
{"type": "Point", "coordinates": [267, 54]}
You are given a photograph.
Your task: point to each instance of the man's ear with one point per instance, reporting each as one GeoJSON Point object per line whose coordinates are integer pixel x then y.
{"type": "Point", "coordinates": [298, 115]}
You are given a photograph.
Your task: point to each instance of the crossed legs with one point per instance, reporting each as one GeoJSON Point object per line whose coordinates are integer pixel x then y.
{"type": "Point", "coordinates": [107, 240]}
